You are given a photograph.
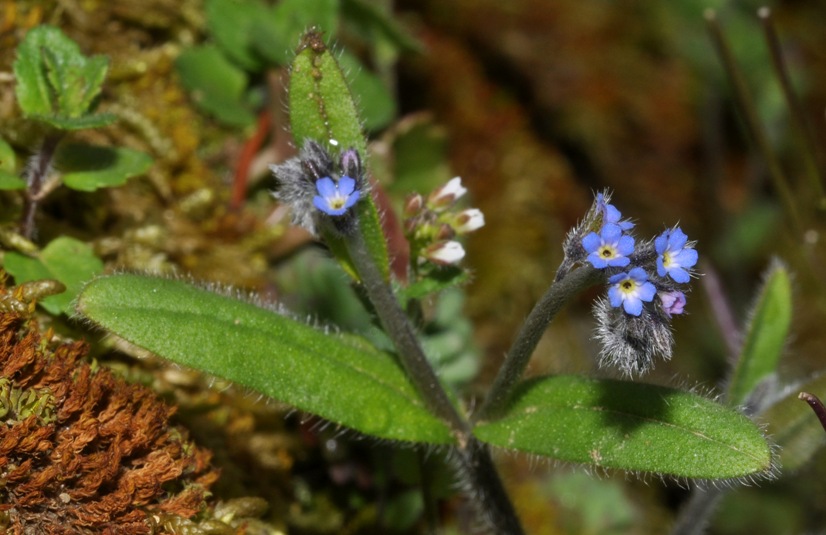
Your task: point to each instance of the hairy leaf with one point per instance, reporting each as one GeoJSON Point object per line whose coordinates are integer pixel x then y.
{"type": "Point", "coordinates": [766, 334]}
{"type": "Point", "coordinates": [322, 109]}
{"type": "Point", "coordinates": [630, 426]}
{"type": "Point", "coordinates": [56, 83]}
{"type": "Point", "coordinates": [339, 377]}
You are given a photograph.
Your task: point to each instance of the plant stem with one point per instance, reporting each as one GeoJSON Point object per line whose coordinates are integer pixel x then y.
{"type": "Point", "coordinates": [696, 513]}
{"type": "Point", "coordinates": [531, 332]}
{"type": "Point", "coordinates": [36, 176]}
{"type": "Point", "coordinates": [749, 111]}
{"type": "Point", "coordinates": [473, 457]}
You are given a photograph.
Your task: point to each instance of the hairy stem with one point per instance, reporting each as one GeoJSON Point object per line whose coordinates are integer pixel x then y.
{"type": "Point", "coordinates": [532, 330]}
{"type": "Point", "coordinates": [36, 176]}
{"type": "Point", "coordinates": [475, 464]}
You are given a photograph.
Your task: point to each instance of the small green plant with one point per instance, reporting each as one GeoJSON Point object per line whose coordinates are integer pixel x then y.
{"type": "Point", "coordinates": [57, 88]}
{"type": "Point", "coordinates": [393, 391]}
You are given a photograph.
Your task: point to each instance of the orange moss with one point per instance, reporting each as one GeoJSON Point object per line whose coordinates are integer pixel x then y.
{"type": "Point", "coordinates": [103, 460]}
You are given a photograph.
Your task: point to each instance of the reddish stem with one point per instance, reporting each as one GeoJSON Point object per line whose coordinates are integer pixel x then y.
{"type": "Point", "coordinates": [816, 405]}
{"type": "Point", "coordinates": [248, 152]}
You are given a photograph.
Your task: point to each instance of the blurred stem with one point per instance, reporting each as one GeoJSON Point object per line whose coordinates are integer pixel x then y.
{"type": "Point", "coordinates": [36, 177]}
{"type": "Point", "coordinates": [531, 332]}
{"type": "Point", "coordinates": [696, 513]}
{"type": "Point", "coordinates": [797, 115]}
{"type": "Point", "coordinates": [475, 462]}
{"type": "Point", "coordinates": [749, 112]}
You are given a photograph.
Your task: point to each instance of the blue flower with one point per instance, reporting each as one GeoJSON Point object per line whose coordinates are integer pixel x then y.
{"type": "Point", "coordinates": [630, 290]}
{"type": "Point", "coordinates": [674, 257]}
{"type": "Point", "coordinates": [608, 248]}
{"type": "Point", "coordinates": [335, 198]}
{"type": "Point", "coordinates": [610, 214]}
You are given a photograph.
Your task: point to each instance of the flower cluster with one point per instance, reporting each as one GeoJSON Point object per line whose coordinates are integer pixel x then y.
{"type": "Point", "coordinates": [645, 284]}
{"type": "Point", "coordinates": [319, 192]}
{"type": "Point", "coordinates": [432, 223]}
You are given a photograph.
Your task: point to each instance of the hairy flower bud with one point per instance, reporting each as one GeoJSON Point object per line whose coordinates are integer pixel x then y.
{"type": "Point", "coordinates": [631, 343]}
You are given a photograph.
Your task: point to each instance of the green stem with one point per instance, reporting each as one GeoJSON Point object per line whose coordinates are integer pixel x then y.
{"type": "Point", "coordinates": [532, 330]}
{"type": "Point", "coordinates": [473, 458]}
{"type": "Point", "coordinates": [749, 112]}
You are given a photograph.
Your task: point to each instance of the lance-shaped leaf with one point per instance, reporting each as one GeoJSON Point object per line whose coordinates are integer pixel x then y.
{"type": "Point", "coordinates": [766, 334]}
{"type": "Point", "coordinates": [794, 427]}
{"type": "Point", "coordinates": [322, 109]}
{"type": "Point", "coordinates": [629, 426]}
{"type": "Point", "coordinates": [339, 377]}
{"type": "Point", "coordinates": [56, 83]}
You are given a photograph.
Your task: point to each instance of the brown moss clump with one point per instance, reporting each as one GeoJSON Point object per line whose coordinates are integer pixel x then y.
{"type": "Point", "coordinates": [82, 451]}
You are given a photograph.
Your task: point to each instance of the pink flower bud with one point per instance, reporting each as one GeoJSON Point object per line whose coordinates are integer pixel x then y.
{"type": "Point", "coordinates": [413, 205]}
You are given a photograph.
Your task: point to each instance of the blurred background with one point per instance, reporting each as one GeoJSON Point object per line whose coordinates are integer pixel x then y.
{"type": "Point", "coordinates": [537, 105]}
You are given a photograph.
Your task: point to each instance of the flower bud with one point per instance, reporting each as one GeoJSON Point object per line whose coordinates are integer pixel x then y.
{"type": "Point", "coordinates": [413, 205]}
{"type": "Point", "coordinates": [444, 253]}
{"type": "Point", "coordinates": [446, 195]}
{"type": "Point", "coordinates": [468, 221]}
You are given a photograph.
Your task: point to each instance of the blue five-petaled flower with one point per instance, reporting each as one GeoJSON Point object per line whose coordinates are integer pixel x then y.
{"type": "Point", "coordinates": [673, 257]}
{"type": "Point", "coordinates": [608, 248]}
{"type": "Point", "coordinates": [335, 198]}
{"type": "Point", "coordinates": [630, 289]}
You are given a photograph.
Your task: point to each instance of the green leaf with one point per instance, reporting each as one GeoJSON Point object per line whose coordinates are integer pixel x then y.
{"type": "Point", "coordinates": [66, 259]}
{"type": "Point", "coordinates": [438, 279]}
{"type": "Point", "coordinates": [339, 377]}
{"type": "Point", "coordinates": [794, 427]}
{"type": "Point", "coordinates": [56, 83]}
{"type": "Point", "coordinates": [230, 23]}
{"type": "Point", "coordinates": [766, 334]}
{"type": "Point", "coordinates": [88, 167]}
{"type": "Point", "coordinates": [630, 426]}
{"type": "Point", "coordinates": [322, 109]}
{"type": "Point", "coordinates": [9, 179]}
{"type": "Point", "coordinates": [217, 86]}
{"type": "Point", "coordinates": [276, 36]}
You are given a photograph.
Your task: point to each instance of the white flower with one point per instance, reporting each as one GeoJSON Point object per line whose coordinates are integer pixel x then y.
{"type": "Point", "coordinates": [468, 221]}
{"type": "Point", "coordinates": [446, 195]}
{"type": "Point", "coordinates": [444, 252]}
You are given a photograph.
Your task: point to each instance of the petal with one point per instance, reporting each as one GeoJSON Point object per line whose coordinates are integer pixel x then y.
{"type": "Point", "coordinates": [352, 199]}
{"type": "Point", "coordinates": [626, 245]}
{"type": "Point", "coordinates": [646, 292]}
{"type": "Point", "coordinates": [346, 185]}
{"type": "Point", "coordinates": [321, 204]}
{"type": "Point", "coordinates": [633, 306]}
{"type": "Point", "coordinates": [686, 258]}
{"type": "Point", "coordinates": [661, 271]}
{"type": "Point", "coordinates": [615, 297]}
{"type": "Point", "coordinates": [618, 277]}
{"type": "Point", "coordinates": [610, 233]}
{"type": "Point", "coordinates": [612, 215]}
{"type": "Point", "coordinates": [677, 239]}
{"type": "Point", "coordinates": [638, 274]}
{"type": "Point", "coordinates": [597, 261]}
{"type": "Point", "coordinates": [679, 275]}
{"type": "Point", "coordinates": [661, 242]}
{"type": "Point", "coordinates": [591, 242]}
{"type": "Point", "coordinates": [619, 261]}
{"type": "Point", "coordinates": [326, 187]}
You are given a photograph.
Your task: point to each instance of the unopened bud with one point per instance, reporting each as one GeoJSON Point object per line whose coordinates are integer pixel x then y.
{"type": "Point", "coordinates": [468, 221]}
{"type": "Point", "coordinates": [444, 253]}
{"type": "Point", "coordinates": [446, 195]}
{"type": "Point", "coordinates": [413, 205]}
